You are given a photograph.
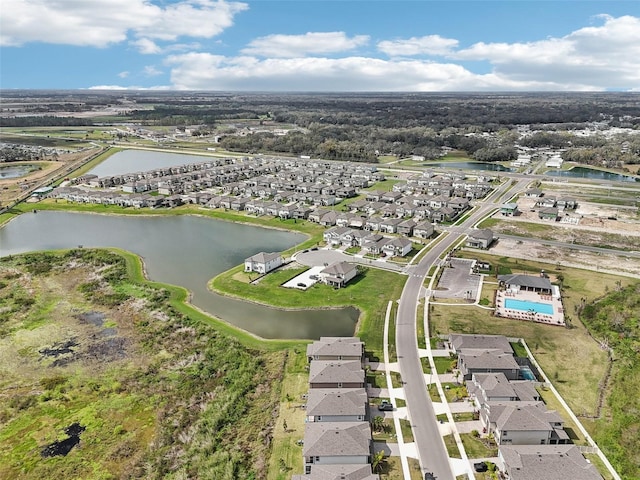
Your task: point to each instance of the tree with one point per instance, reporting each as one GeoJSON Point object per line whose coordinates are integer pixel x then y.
{"type": "Point", "coordinates": [379, 459]}
{"type": "Point", "coordinates": [377, 423]}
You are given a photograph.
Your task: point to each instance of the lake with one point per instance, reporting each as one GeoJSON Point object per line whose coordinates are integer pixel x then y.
{"type": "Point", "coordinates": [186, 251]}
{"type": "Point", "coordinates": [132, 161]}
{"type": "Point", "coordinates": [583, 172]}
{"type": "Point", "coordinates": [16, 171]}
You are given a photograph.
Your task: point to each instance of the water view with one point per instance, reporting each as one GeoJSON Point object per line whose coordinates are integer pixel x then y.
{"type": "Point", "coordinates": [186, 251]}
{"type": "Point", "coordinates": [583, 172]}
{"type": "Point", "coordinates": [494, 167]}
{"type": "Point", "coordinates": [16, 171]}
{"type": "Point", "coordinates": [132, 161]}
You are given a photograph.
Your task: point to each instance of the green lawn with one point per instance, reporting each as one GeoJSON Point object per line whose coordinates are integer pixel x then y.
{"type": "Point", "coordinates": [478, 447]}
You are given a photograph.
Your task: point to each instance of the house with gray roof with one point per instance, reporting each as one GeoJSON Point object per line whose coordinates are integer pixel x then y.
{"type": "Point", "coordinates": [551, 462]}
{"type": "Point", "coordinates": [336, 405]}
{"type": "Point", "coordinates": [461, 341]}
{"type": "Point", "coordinates": [330, 443]}
{"type": "Point", "coordinates": [480, 238]}
{"type": "Point", "coordinates": [338, 274]}
{"type": "Point", "coordinates": [336, 348]}
{"type": "Point", "coordinates": [495, 387]}
{"type": "Point", "coordinates": [263, 262]}
{"type": "Point", "coordinates": [338, 472]}
{"type": "Point", "coordinates": [523, 424]}
{"type": "Point", "coordinates": [336, 374]}
{"type": "Point", "coordinates": [423, 230]}
{"type": "Point", "coordinates": [530, 283]}
{"type": "Point", "coordinates": [472, 361]}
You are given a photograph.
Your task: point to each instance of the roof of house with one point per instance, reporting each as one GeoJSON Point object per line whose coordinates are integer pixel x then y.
{"type": "Point", "coordinates": [551, 462]}
{"type": "Point", "coordinates": [488, 342]}
{"type": "Point", "coordinates": [488, 359]}
{"type": "Point", "coordinates": [336, 371]}
{"type": "Point", "coordinates": [263, 257]}
{"type": "Point", "coordinates": [339, 268]}
{"type": "Point", "coordinates": [482, 234]}
{"type": "Point", "coordinates": [339, 472]}
{"type": "Point", "coordinates": [350, 346]}
{"type": "Point", "coordinates": [336, 401]}
{"type": "Point", "coordinates": [516, 417]}
{"type": "Point", "coordinates": [532, 281]}
{"type": "Point", "coordinates": [336, 439]}
{"type": "Point", "coordinates": [492, 384]}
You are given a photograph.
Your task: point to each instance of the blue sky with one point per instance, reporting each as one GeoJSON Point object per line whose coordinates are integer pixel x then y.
{"type": "Point", "coordinates": [329, 45]}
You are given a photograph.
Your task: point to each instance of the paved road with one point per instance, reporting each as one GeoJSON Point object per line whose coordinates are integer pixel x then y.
{"type": "Point", "coordinates": [430, 446]}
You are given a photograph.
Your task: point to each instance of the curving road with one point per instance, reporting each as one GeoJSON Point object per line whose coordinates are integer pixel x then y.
{"type": "Point", "coordinates": [429, 444]}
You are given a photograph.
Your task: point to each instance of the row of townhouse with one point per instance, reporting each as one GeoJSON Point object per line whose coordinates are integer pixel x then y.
{"type": "Point", "coordinates": [445, 184]}
{"type": "Point", "coordinates": [337, 437]}
{"type": "Point", "coordinates": [373, 243]}
{"type": "Point", "coordinates": [512, 410]}
{"type": "Point", "coordinates": [78, 195]}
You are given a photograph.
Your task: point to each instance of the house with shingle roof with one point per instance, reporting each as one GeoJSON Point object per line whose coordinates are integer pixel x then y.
{"type": "Point", "coordinates": [338, 472]}
{"type": "Point", "coordinates": [515, 424]}
{"type": "Point", "coordinates": [461, 341]}
{"type": "Point", "coordinates": [336, 405]}
{"type": "Point", "coordinates": [472, 361]}
{"type": "Point", "coordinates": [480, 238]}
{"type": "Point", "coordinates": [551, 462]}
{"type": "Point", "coordinates": [330, 443]}
{"type": "Point", "coordinates": [338, 274]}
{"type": "Point", "coordinates": [263, 262]}
{"type": "Point", "coordinates": [495, 387]}
{"type": "Point", "coordinates": [336, 374]}
{"type": "Point", "coordinates": [530, 283]}
{"type": "Point", "coordinates": [336, 348]}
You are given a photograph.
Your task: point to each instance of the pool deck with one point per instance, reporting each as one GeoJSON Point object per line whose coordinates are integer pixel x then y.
{"type": "Point", "coordinates": [556, 318]}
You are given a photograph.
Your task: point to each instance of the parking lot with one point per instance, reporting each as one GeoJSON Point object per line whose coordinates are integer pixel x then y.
{"type": "Point", "coordinates": [458, 281]}
{"type": "Point", "coordinates": [305, 279]}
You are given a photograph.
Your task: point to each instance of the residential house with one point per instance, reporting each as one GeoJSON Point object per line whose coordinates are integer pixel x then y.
{"type": "Point", "coordinates": [423, 230]}
{"type": "Point", "coordinates": [334, 235]}
{"type": "Point", "coordinates": [336, 374]}
{"type": "Point", "coordinates": [495, 387]}
{"type": "Point", "coordinates": [338, 472]}
{"type": "Point", "coordinates": [263, 262]}
{"type": "Point", "coordinates": [546, 201]}
{"type": "Point", "coordinates": [548, 213]}
{"type": "Point", "coordinates": [471, 361]}
{"type": "Point", "coordinates": [397, 247]}
{"type": "Point", "coordinates": [338, 274]}
{"type": "Point", "coordinates": [406, 228]}
{"type": "Point", "coordinates": [480, 238]}
{"type": "Point", "coordinates": [390, 225]}
{"type": "Point", "coordinates": [336, 405]}
{"type": "Point", "coordinates": [336, 348]}
{"type": "Point", "coordinates": [509, 209]}
{"type": "Point", "coordinates": [533, 193]}
{"type": "Point", "coordinates": [515, 424]}
{"type": "Point", "coordinates": [551, 462]}
{"type": "Point", "coordinates": [331, 443]}
{"type": "Point", "coordinates": [567, 203]}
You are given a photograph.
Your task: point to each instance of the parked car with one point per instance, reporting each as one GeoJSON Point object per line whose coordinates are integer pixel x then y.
{"type": "Point", "coordinates": [303, 285]}
{"type": "Point", "coordinates": [385, 405]}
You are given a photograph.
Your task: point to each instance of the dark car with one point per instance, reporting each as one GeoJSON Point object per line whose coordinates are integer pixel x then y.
{"type": "Point", "coordinates": [303, 285]}
{"type": "Point", "coordinates": [385, 405]}
{"type": "Point", "coordinates": [429, 476]}
{"type": "Point", "coordinates": [480, 467]}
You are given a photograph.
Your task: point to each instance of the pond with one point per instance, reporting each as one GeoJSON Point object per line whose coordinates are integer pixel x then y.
{"type": "Point", "coordinates": [132, 161]}
{"type": "Point", "coordinates": [16, 171]}
{"type": "Point", "coordinates": [186, 251]}
{"type": "Point", "coordinates": [494, 167]}
{"type": "Point", "coordinates": [583, 172]}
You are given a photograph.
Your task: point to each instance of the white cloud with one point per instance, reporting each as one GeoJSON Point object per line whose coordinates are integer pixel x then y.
{"type": "Point", "coordinates": [100, 23]}
{"type": "Point", "coordinates": [123, 74]}
{"type": "Point", "coordinates": [203, 71]}
{"type": "Point", "coordinates": [603, 56]}
{"type": "Point", "coordinates": [427, 45]}
{"type": "Point", "coordinates": [151, 71]}
{"type": "Point", "coordinates": [311, 43]}
{"type": "Point", "coordinates": [146, 46]}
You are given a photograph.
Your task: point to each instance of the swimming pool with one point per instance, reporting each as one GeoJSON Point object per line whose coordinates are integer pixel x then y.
{"type": "Point", "coordinates": [526, 373]}
{"type": "Point", "coordinates": [527, 306]}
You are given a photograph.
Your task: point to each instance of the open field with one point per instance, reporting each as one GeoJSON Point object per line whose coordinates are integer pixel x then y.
{"type": "Point", "coordinates": [83, 342]}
